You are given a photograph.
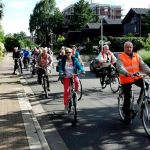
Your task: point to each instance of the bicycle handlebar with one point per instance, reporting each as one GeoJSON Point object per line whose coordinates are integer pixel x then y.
{"type": "Point", "coordinates": [137, 74]}
{"type": "Point", "coordinates": [71, 75]}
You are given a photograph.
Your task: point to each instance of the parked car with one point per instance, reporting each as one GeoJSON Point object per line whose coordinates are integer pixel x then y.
{"type": "Point", "coordinates": [95, 65]}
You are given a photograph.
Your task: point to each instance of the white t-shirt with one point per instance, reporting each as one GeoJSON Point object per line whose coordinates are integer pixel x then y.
{"type": "Point", "coordinates": [69, 68]}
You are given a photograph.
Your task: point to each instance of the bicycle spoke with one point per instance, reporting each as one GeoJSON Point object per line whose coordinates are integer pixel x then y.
{"type": "Point", "coordinates": [120, 106]}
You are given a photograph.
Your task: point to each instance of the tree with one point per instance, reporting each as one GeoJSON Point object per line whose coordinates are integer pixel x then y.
{"type": "Point", "coordinates": [81, 16]}
{"type": "Point", "coordinates": [1, 9]}
{"type": "Point", "coordinates": [39, 23]}
{"type": "Point", "coordinates": [145, 26]}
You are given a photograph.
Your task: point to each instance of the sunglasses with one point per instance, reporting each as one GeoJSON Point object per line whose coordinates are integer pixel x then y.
{"type": "Point", "coordinates": [68, 52]}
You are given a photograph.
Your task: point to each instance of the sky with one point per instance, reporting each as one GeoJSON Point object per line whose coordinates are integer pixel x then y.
{"type": "Point", "coordinates": [17, 12]}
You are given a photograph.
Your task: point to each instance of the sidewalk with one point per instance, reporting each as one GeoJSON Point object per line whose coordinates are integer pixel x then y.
{"type": "Point", "coordinates": [17, 131]}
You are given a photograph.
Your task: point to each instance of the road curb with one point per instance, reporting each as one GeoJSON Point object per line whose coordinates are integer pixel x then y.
{"type": "Point", "coordinates": [34, 132]}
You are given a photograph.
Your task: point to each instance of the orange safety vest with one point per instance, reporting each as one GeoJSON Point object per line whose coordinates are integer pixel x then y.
{"type": "Point", "coordinates": [132, 65]}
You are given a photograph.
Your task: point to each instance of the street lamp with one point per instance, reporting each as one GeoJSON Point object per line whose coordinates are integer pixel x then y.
{"type": "Point", "coordinates": [101, 33]}
{"type": "Point", "coordinates": [101, 18]}
{"type": "Point", "coordinates": [51, 39]}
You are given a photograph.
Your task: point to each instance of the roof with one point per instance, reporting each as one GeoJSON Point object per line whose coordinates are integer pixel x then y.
{"type": "Point", "coordinates": [113, 21]}
{"type": "Point", "coordinates": [138, 11]}
{"type": "Point", "coordinates": [93, 25]}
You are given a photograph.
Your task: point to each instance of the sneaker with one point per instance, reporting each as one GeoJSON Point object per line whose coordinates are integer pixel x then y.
{"type": "Point", "coordinates": [66, 109]}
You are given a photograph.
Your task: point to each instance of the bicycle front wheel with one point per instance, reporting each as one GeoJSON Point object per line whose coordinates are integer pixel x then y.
{"type": "Point", "coordinates": [146, 117]}
{"type": "Point", "coordinates": [120, 106]}
{"type": "Point", "coordinates": [114, 84]}
{"type": "Point", "coordinates": [44, 84]}
{"type": "Point", "coordinates": [79, 93]}
{"type": "Point", "coordinates": [74, 98]}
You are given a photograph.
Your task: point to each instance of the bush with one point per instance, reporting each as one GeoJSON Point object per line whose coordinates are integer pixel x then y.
{"type": "Point", "coordinates": [145, 55]}
{"type": "Point", "coordinates": [2, 49]}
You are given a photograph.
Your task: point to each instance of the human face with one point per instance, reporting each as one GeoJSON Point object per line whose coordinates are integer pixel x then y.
{"type": "Point", "coordinates": [128, 48]}
{"type": "Point", "coordinates": [69, 53]}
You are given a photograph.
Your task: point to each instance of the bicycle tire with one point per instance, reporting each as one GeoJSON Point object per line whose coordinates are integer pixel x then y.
{"type": "Point", "coordinates": [145, 116]}
{"type": "Point", "coordinates": [79, 93]}
{"type": "Point", "coordinates": [44, 84]}
{"type": "Point", "coordinates": [74, 98]}
{"type": "Point", "coordinates": [114, 84]}
{"type": "Point", "coordinates": [120, 106]}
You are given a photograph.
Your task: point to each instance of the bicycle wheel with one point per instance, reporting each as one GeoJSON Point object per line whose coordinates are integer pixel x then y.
{"type": "Point", "coordinates": [120, 106]}
{"type": "Point", "coordinates": [79, 93]}
{"type": "Point", "coordinates": [74, 98]}
{"type": "Point", "coordinates": [44, 84]}
{"type": "Point", "coordinates": [114, 84]}
{"type": "Point", "coordinates": [145, 114]}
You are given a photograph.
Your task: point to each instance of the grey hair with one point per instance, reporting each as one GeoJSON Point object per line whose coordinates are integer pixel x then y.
{"type": "Point", "coordinates": [128, 43]}
{"type": "Point", "coordinates": [106, 46]}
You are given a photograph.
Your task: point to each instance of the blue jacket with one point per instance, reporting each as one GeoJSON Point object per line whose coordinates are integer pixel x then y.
{"type": "Point", "coordinates": [76, 65]}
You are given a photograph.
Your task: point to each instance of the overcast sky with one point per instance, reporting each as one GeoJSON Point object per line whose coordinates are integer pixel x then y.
{"type": "Point", "coordinates": [17, 12]}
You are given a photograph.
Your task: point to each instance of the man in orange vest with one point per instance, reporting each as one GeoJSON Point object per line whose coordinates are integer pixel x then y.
{"type": "Point", "coordinates": [128, 64]}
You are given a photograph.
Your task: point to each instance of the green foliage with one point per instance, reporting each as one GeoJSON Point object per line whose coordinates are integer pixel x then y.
{"type": "Point", "coordinates": [117, 43]}
{"type": "Point", "coordinates": [147, 43]}
{"type": "Point", "coordinates": [60, 41]}
{"type": "Point", "coordinates": [11, 42]}
{"type": "Point", "coordinates": [45, 18]}
{"type": "Point", "coordinates": [17, 40]}
{"type": "Point", "coordinates": [2, 49]}
{"type": "Point", "coordinates": [145, 25]}
{"type": "Point", "coordinates": [145, 55]}
{"type": "Point", "coordinates": [1, 10]}
{"type": "Point", "coordinates": [81, 16]}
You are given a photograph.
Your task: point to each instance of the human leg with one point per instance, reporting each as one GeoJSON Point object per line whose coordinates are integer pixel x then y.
{"type": "Point", "coordinates": [66, 91]}
{"type": "Point", "coordinates": [126, 105]}
{"type": "Point", "coordinates": [76, 82]}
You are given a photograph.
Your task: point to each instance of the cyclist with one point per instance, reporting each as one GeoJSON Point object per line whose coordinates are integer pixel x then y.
{"type": "Point", "coordinates": [44, 62]}
{"type": "Point", "coordinates": [59, 58]}
{"type": "Point", "coordinates": [77, 54]}
{"type": "Point", "coordinates": [34, 57]}
{"type": "Point", "coordinates": [106, 59]}
{"type": "Point", "coordinates": [68, 66]}
{"type": "Point", "coordinates": [129, 63]}
{"type": "Point", "coordinates": [17, 57]}
{"type": "Point", "coordinates": [26, 57]}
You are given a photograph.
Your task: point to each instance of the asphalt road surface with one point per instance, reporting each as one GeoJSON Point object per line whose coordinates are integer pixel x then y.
{"type": "Point", "coordinates": [99, 126]}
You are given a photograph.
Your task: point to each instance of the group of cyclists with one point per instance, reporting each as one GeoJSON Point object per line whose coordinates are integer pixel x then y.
{"type": "Point", "coordinates": [127, 64]}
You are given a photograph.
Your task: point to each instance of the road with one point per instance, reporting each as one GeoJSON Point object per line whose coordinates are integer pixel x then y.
{"type": "Point", "coordinates": [99, 126]}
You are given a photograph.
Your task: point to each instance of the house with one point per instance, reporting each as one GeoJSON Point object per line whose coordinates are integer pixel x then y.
{"type": "Point", "coordinates": [132, 22]}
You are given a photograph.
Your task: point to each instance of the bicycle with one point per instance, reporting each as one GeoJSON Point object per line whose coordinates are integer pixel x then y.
{"type": "Point", "coordinates": [142, 107]}
{"type": "Point", "coordinates": [45, 81]}
{"type": "Point", "coordinates": [79, 93]}
{"type": "Point", "coordinates": [72, 105]}
{"type": "Point", "coordinates": [112, 79]}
